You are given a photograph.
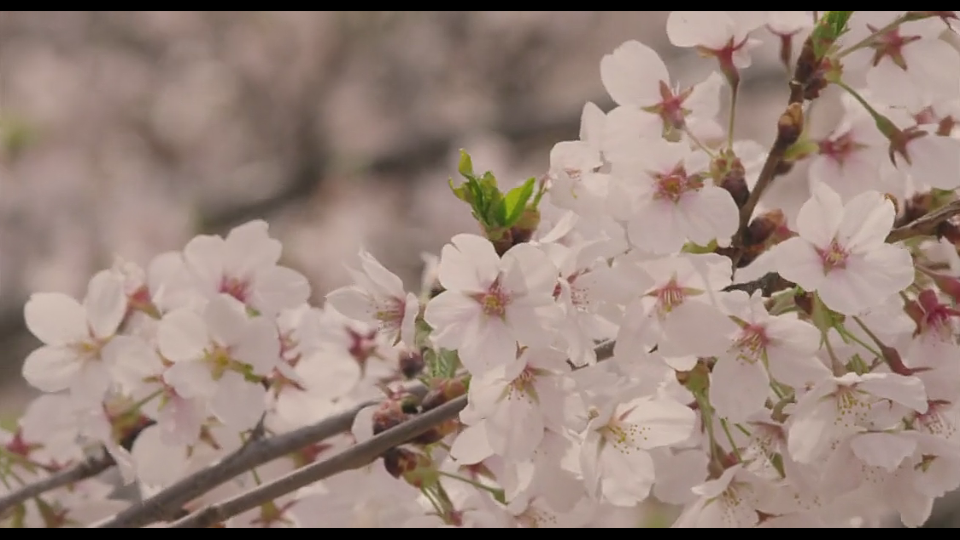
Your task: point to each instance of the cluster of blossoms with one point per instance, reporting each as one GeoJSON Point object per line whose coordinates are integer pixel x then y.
{"type": "Point", "coordinates": [667, 337]}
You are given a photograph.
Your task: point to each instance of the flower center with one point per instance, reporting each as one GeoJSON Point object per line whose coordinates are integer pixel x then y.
{"type": "Point", "coordinates": [494, 302]}
{"type": "Point", "coordinates": [670, 296]}
{"type": "Point", "coordinates": [235, 287]}
{"type": "Point", "coordinates": [839, 149]}
{"type": "Point", "coordinates": [835, 256]}
{"type": "Point", "coordinates": [672, 185]}
{"type": "Point", "coordinates": [752, 342]}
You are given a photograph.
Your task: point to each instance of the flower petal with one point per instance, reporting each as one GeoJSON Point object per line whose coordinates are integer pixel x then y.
{"type": "Point", "coordinates": [51, 369]}
{"type": "Point", "coordinates": [106, 303]}
{"type": "Point", "coordinates": [56, 319]}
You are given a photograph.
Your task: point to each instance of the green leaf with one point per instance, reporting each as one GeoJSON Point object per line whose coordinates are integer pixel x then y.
{"type": "Point", "coordinates": [832, 25]}
{"type": "Point", "coordinates": [465, 167]}
{"type": "Point", "coordinates": [516, 202]}
{"type": "Point", "coordinates": [837, 20]}
{"type": "Point", "coordinates": [462, 192]}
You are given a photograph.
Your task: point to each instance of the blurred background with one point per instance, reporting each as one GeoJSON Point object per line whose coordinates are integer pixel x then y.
{"type": "Point", "coordinates": [127, 133]}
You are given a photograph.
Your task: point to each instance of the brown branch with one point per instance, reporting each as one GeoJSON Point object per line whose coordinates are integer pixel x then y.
{"type": "Point", "coordinates": [87, 468]}
{"type": "Point", "coordinates": [926, 225]}
{"type": "Point", "coordinates": [169, 502]}
{"type": "Point", "coordinates": [354, 457]}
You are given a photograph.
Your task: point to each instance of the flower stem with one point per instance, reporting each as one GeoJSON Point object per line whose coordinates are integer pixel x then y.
{"type": "Point", "coordinates": [733, 444]}
{"type": "Point", "coordinates": [734, 92]}
{"type": "Point", "coordinates": [497, 494]}
{"type": "Point", "coordinates": [846, 333]}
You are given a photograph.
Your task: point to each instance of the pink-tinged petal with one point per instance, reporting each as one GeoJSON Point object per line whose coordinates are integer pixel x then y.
{"type": "Point", "coordinates": [591, 123]}
{"type": "Point", "coordinates": [471, 446]}
{"type": "Point", "coordinates": [886, 450]}
{"type": "Point", "coordinates": [699, 28]}
{"type": "Point", "coordinates": [819, 218]}
{"type": "Point", "coordinates": [632, 74]}
{"type": "Point", "coordinates": [105, 303]}
{"type": "Point", "coordinates": [259, 346]}
{"type": "Point", "coordinates": [529, 271]}
{"type": "Point", "coordinates": [867, 220]}
{"type": "Point", "coordinates": [487, 344]}
{"type": "Point", "coordinates": [845, 291]}
{"type": "Point", "coordinates": [387, 283]}
{"type": "Point", "coordinates": [480, 253]}
{"type": "Point", "coordinates": [130, 360]}
{"type": "Point", "coordinates": [907, 391]}
{"type": "Point", "coordinates": [238, 403]}
{"type": "Point", "coordinates": [515, 428]}
{"type": "Point", "coordinates": [810, 435]}
{"type": "Point", "coordinates": [353, 302]}
{"type": "Point", "coordinates": [56, 319]}
{"type": "Point", "coordinates": [226, 319]}
{"type": "Point", "coordinates": [623, 131]}
{"type": "Point", "coordinates": [935, 161]}
{"type": "Point", "coordinates": [710, 214]}
{"type": "Point", "coordinates": [408, 327]}
{"type": "Point", "coordinates": [738, 388]}
{"type": "Point", "coordinates": [51, 369]}
{"type": "Point", "coordinates": [627, 477]}
{"type": "Point", "coordinates": [677, 474]}
{"type": "Point", "coordinates": [204, 257]}
{"type": "Point", "coordinates": [278, 288]}
{"type": "Point", "coordinates": [249, 249]}
{"type": "Point", "coordinates": [712, 328]}
{"type": "Point", "coordinates": [654, 227]}
{"type": "Point", "coordinates": [469, 264]}
{"type": "Point", "coordinates": [660, 422]}
{"type": "Point", "coordinates": [534, 326]}
{"type": "Point", "coordinates": [182, 335]}
{"type": "Point", "coordinates": [190, 379]}
{"type": "Point", "coordinates": [329, 375]}
{"type": "Point", "coordinates": [156, 463]}
{"type": "Point", "coordinates": [704, 100]}
{"type": "Point", "coordinates": [90, 383]}
{"type": "Point", "coordinates": [796, 260]}
{"type": "Point", "coordinates": [447, 313]}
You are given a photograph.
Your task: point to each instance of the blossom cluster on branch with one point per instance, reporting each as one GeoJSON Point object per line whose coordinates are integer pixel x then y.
{"type": "Point", "coordinates": [667, 336]}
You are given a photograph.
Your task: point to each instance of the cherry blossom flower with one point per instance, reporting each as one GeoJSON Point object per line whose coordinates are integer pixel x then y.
{"type": "Point", "coordinates": [378, 298]}
{"type": "Point", "coordinates": [76, 353]}
{"type": "Point", "coordinates": [674, 202]}
{"type": "Point", "coordinates": [841, 252]}
{"type": "Point", "coordinates": [637, 80]}
{"type": "Point", "coordinates": [213, 355]}
{"type": "Point", "coordinates": [838, 407]}
{"type": "Point", "coordinates": [615, 457]}
{"type": "Point", "coordinates": [242, 265]}
{"type": "Point", "coordinates": [490, 303]}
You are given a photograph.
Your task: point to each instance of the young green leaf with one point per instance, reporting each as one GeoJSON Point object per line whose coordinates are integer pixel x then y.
{"type": "Point", "coordinates": [516, 202]}
{"type": "Point", "coordinates": [465, 167]}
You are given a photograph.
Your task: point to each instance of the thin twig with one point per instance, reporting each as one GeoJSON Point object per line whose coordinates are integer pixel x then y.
{"type": "Point", "coordinates": [168, 502]}
{"type": "Point", "coordinates": [926, 225]}
{"type": "Point", "coordinates": [87, 468]}
{"type": "Point", "coordinates": [354, 457]}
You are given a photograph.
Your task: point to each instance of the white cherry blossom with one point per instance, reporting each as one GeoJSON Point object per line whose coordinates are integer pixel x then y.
{"type": "Point", "coordinates": [841, 251]}
{"type": "Point", "coordinates": [491, 303]}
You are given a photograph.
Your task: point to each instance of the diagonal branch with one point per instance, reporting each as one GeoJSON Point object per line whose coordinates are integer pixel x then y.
{"type": "Point", "coordinates": [354, 457]}
{"type": "Point", "coordinates": [926, 225]}
{"type": "Point", "coordinates": [168, 502]}
{"type": "Point", "coordinates": [87, 468]}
